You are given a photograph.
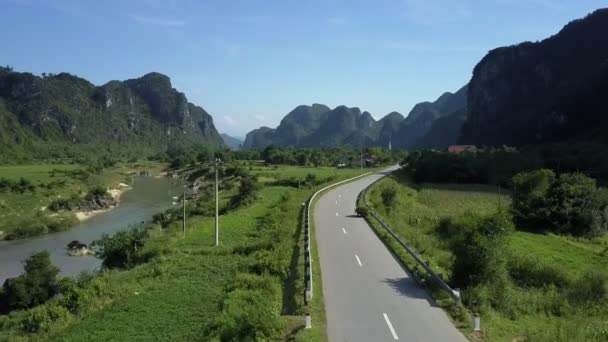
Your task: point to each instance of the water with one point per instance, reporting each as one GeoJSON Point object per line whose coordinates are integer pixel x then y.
{"type": "Point", "coordinates": [147, 197]}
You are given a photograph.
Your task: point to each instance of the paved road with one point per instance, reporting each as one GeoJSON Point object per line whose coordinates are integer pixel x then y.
{"type": "Point", "coordinates": [368, 296]}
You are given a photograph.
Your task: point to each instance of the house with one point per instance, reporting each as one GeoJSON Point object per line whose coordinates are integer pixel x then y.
{"type": "Point", "coordinates": [457, 149]}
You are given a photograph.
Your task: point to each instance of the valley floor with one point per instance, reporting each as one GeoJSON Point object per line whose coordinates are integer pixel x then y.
{"type": "Point", "coordinates": [538, 313]}
{"type": "Point", "coordinates": [185, 291]}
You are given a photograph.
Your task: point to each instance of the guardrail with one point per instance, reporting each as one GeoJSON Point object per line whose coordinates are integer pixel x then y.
{"type": "Point", "coordinates": [455, 294]}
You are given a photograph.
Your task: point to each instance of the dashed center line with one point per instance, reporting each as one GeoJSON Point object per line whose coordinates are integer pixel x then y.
{"type": "Point", "coordinates": [336, 202]}
{"type": "Point", "coordinates": [337, 214]}
{"type": "Point", "coordinates": [358, 260]}
{"type": "Point", "coordinates": [343, 230]}
{"type": "Point", "coordinates": [390, 326]}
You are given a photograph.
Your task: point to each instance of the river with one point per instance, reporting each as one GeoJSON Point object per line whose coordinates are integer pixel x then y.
{"type": "Point", "coordinates": [147, 197]}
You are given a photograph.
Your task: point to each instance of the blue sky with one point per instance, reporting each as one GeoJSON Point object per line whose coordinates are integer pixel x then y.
{"type": "Point", "coordinates": [249, 62]}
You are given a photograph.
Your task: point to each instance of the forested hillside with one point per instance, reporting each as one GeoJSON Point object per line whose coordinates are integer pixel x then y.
{"type": "Point", "coordinates": [59, 116]}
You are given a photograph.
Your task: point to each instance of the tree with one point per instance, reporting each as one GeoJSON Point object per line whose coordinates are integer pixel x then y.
{"type": "Point", "coordinates": [529, 191]}
{"type": "Point", "coordinates": [121, 250]}
{"type": "Point", "coordinates": [569, 204]}
{"type": "Point", "coordinates": [204, 155]}
{"type": "Point", "coordinates": [37, 285]}
{"type": "Point", "coordinates": [576, 206]}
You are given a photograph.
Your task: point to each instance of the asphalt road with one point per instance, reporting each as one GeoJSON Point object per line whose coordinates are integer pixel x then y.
{"type": "Point", "coordinates": [368, 295]}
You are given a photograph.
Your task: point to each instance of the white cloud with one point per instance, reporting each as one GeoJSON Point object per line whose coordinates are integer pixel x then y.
{"type": "Point", "coordinates": [229, 120]}
{"type": "Point", "coordinates": [158, 21]}
{"type": "Point", "coordinates": [337, 20]}
{"type": "Point", "coordinates": [260, 118]}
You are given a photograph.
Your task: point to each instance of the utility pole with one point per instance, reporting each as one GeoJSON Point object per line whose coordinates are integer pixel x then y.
{"type": "Point", "coordinates": [184, 221]}
{"type": "Point", "coordinates": [361, 158]}
{"type": "Point", "coordinates": [217, 204]}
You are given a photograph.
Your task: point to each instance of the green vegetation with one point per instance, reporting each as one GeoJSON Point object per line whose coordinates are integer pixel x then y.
{"type": "Point", "coordinates": [179, 287]}
{"type": "Point", "coordinates": [63, 116]}
{"type": "Point", "coordinates": [123, 249]}
{"type": "Point", "coordinates": [36, 286]}
{"type": "Point", "coordinates": [568, 204]}
{"type": "Point", "coordinates": [38, 199]}
{"type": "Point", "coordinates": [526, 285]}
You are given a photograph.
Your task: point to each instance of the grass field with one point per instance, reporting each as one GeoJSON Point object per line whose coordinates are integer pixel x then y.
{"type": "Point", "coordinates": [415, 217]}
{"type": "Point", "coordinates": [179, 294]}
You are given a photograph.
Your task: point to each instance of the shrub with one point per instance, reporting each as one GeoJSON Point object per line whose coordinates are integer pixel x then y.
{"type": "Point", "coordinates": [42, 318]}
{"type": "Point", "coordinates": [591, 287]}
{"type": "Point", "coordinates": [97, 192]}
{"type": "Point", "coordinates": [388, 196]}
{"type": "Point", "coordinates": [250, 314]}
{"type": "Point", "coordinates": [76, 299]}
{"type": "Point", "coordinates": [121, 250]}
{"type": "Point", "coordinates": [479, 249]}
{"type": "Point", "coordinates": [60, 222]}
{"type": "Point", "coordinates": [247, 193]}
{"type": "Point", "coordinates": [27, 228]}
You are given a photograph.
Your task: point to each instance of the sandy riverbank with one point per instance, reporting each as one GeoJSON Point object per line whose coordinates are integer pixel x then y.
{"type": "Point", "coordinates": [115, 192]}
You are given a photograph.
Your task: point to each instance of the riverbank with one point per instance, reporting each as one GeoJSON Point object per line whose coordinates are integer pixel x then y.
{"type": "Point", "coordinates": [116, 193]}
{"type": "Point", "coordinates": [31, 187]}
{"type": "Point", "coordinates": [146, 197]}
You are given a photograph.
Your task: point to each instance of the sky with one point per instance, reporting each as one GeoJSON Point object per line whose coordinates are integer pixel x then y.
{"type": "Point", "coordinates": [250, 62]}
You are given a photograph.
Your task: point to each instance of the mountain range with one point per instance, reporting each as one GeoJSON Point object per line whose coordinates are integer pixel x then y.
{"type": "Point", "coordinates": [531, 93]}
{"type": "Point", "coordinates": [320, 126]}
{"type": "Point", "coordinates": [66, 116]}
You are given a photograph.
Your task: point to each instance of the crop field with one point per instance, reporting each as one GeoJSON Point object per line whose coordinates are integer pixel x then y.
{"type": "Point", "coordinates": [415, 217]}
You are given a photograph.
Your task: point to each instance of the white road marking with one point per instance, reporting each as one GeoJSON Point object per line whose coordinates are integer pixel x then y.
{"type": "Point", "coordinates": [339, 196]}
{"type": "Point", "coordinates": [337, 214]}
{"type": "Point", "coordinates": [358, 260]}
{"type": "Point", "coordinates": [343, 230]}
{"type": "Point", "coordinates": [390, 326]}
{"type": "Point", "coordinates": [336, 202]}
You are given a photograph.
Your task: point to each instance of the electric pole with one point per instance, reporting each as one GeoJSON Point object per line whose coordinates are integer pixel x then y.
{"type": "Point", "coordinates": [361, 158]}
{"type": "Point", "coordinates": [217, 204]}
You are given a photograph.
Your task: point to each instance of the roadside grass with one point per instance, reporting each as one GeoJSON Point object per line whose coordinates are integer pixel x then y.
{"type": "Point", "coordinates": [417, 211]}
{"type": "Point", "coordinates": [178, 294]}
